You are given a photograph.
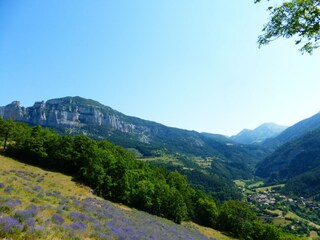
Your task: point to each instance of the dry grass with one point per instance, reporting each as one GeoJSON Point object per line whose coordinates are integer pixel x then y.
{"type": "Point", "coordinates": [291, 215]}
{"type": "Point", "coordinates": [56, 191]}
{"type": "Point", "coordinates": [209, 232]}
{"type": "Point", "coordinates": [55, 181]}
{"type": "Point", "coordinates": [313, 235]}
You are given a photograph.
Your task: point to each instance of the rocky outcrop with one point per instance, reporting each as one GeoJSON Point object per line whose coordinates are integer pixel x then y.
{"type": "Point", "coordinates": [78, 115]}
{"type": "Point", "coordinates": [14, 111]}
{"type": "Point", "coordinates": [70, 111]}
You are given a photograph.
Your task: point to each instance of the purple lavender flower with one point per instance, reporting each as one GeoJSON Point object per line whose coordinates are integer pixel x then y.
{"type": "Point", "coordinates": [54, 194]}
{"type": "Point", "coordinates": [97, 226]}
{"type": "Point", "coordinates": [33, 209]}
{"type": "Point", "coordinates": [7, 205]}
{"type": "Point", "coordinates": [9, 225]}
{"type": "Point", "coordinates": [80, 226]}
{"type": "Point", "coordinates": [26, 216]}
{"type": "Point", "coordinates": [36, 231]}
{"type": "Point", "coordinates": [77, 216]}
{"type": "Point", "coordinates": [23, 215]}
{"type": "Point", "coordinates": [100, 235]}
{"type": "Point", "coordinates": [9, 189]}
{"type": "Point", "coordinates": [29, 224]}
{"type": "Point", "coordinates": [58, 219]}
{"type": "Point", "coordinates": [2, 185]}
{"type": "Point", "coordinates": [37, 188]}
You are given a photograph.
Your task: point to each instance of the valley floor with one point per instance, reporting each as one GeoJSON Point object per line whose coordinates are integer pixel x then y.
{"type": "Point", "coordinates": [295, 214]}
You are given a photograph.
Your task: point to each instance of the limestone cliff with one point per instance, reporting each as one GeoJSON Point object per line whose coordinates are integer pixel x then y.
{"type": "Point", "coordinates": [14, 111]}
{"type": "Point", "coordinates": [69, 111]}
{"type": "Point", "coordinates": [78, 115]}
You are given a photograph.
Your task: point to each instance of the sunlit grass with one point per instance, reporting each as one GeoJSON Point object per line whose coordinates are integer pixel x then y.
{"type": "Point", "coordinates": [256, 184]}
{"type": "Point", "coordinates": [276, 211]}
{"type": "Point", "coordinates": [293, 216]}
{"type": "Point", "coordinates": [269, 188]}
{"type": "Point", "coordinates": [313, 235]}
{"type": "Point", "coordinates": [239, 183]}
{"type": "Point", "coordinates": [209, 232]}
{"type": "Point", "coordinates": [281, 222]}
{"type": "Point", "coordinates": [38, 204]}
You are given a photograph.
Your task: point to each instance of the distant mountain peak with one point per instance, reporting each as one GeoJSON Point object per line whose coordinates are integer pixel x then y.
{"type": "Point", "coordinates": [259, 134]}
{"type": "Point", "coordinates": [295, 131]}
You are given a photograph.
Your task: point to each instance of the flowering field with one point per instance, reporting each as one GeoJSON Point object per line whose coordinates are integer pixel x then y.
{"type": "Point", "coordinates": [37, 204]}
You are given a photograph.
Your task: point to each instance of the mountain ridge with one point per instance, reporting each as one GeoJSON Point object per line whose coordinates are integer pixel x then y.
{"type": "Point", "coordinates": [295, 131]}
{"type": "Point", "coordinates": [259, 134]}
{"type": "Point", "coordinates": [297, 163]}
{"type": "Point", "coordinates": [76, 115]}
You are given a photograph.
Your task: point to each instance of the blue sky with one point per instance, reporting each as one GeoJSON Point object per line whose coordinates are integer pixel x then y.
{"type": "Point", "coordinates": [184, 63]}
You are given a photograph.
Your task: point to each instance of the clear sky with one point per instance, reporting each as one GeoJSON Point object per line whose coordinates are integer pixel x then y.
{"type": "Point", "coordinates": [192, 64]}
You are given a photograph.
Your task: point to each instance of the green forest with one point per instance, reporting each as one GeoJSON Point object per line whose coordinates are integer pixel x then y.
{"type": "Point", "coordinates": [113, 173]}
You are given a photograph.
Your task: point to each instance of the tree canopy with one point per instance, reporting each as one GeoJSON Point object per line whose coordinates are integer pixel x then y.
{"type": "Point", "coordinates": [299, 19]}
{"type": "Point", "coordinates": [114, 173]}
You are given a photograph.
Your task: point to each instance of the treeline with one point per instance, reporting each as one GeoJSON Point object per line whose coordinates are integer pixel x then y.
{"type": "Point", "coordinates": [222, 189]}
{"type": "Point", "coordinates": [115, 174]}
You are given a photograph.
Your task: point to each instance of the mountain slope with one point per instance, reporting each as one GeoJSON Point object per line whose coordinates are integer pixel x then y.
{"type": "Point", "coordinates": [295, 162]}
{"type": "Point", "coordinates": [38, 204]}
{"type": "Point", "coordinates": [293, 132]}
{"type": "Point", "coordinates": [306, 184]}
{"type": "Point", "coordinates": [259, 134]}
{"type": "Point", "coordinates": [293, 158]}
{"type": "Point", "coordinates": [78, 115]}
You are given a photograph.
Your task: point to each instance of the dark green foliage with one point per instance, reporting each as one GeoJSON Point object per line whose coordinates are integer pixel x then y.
{"type": "Point", "coordinates": [148, 138]}
{"type": "Point", "coordinates": [10, 130]}
{"type": "Point", "coordinates": [295, 18]}
{"type": "Point", "coordinates": [110, 170]}
{"type": "Point", "coordinates": [293, 158]}
{"type": "Point", "coordinates": [115, 174]}
{"type": "Point", "coordinates": [294, 132]}
{"type": "Point", "coordinates": [206, 211]}
{"type": "Point", "coordinates": [306, 184]}
{"type": "Point", "coordinates": [232, 170]}
{"type": "Point", "coordinates": [296, 163]}
{"type": "Point", "coordinates": [220, 188]}
{"type": "Point", "coordinates": [236, 217]}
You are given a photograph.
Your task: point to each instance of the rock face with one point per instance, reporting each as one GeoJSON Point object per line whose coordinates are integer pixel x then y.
{"type": "Point", "coordinates": [79, 115]}
{"type": "Point", "coordinates": [76, 115]}
{"type": "Point", "coordinates": [69, 111]}
{"type": "Point", "coordinates": [14, 111]}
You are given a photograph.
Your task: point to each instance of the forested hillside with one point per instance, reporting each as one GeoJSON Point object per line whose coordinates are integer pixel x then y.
{"type": "Point", "coordinates": [297, 163]}
{"type": "Point", "coordinates": [291, 133]}
{"type": "Point", "coordinates": [76, 115]}
{"type": "Point", "coordinates": [115, 174]}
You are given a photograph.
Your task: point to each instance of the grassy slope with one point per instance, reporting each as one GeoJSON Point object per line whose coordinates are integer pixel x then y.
{"type": "Point", "coordinates": [53, 194]}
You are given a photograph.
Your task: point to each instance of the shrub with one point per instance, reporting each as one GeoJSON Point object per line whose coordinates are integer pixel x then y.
{"type": "Point", "coordinates": [78, 226]}
{"type": "Point", "coordinates": [9, 225]}
{"type": "Point", "coordinates": [58, 219]}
